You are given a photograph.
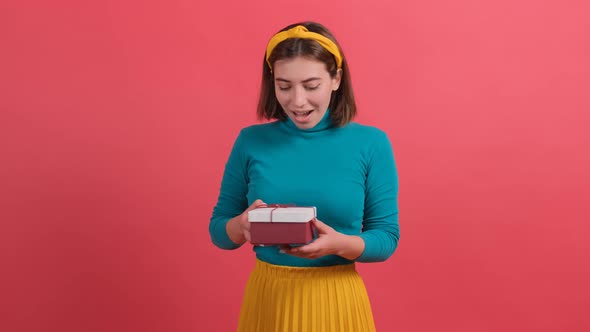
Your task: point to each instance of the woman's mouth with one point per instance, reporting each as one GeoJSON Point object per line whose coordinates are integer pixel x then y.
{"type": "Point", "coordinates": [302, 115]}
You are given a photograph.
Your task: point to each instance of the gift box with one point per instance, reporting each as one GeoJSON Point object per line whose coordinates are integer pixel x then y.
{"type": "Point", "coordinates": [272, 225]}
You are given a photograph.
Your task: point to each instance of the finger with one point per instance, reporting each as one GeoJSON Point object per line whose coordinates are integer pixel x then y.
{"type": "Point", "coordinates": [294, 253]}
{"type": "Point", "coordinates": [246, 226]}
{"type": "Point", "coordinates": [308, 249]}
{"type": "Point", "coordinates": [247, 235]}
{"type": "Point", "coordinates": [304, 255]}
{"type": "Point", "coordinates": [259, 203]}
{"type": "Point", "coordinates": [256, 204]}
{"type": "Point", "coordinates": [321, 226]}
{"type": "Point", "coordinates": [285, 250]}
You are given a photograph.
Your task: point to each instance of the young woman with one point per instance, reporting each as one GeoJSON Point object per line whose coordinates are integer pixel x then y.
{"type": "Point", "coordinates": [312, 155]}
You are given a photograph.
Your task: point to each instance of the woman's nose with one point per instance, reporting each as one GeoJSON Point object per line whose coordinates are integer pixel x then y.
{"type": "Point", "coordinates": [299, 97]}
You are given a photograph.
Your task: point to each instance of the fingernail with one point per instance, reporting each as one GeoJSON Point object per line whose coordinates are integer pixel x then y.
{"type": "Point", "coordinates": [282, 251]}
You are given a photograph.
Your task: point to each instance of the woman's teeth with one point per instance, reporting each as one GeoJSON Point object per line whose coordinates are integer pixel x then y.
{"type": "Point", "coordinates": [302, 113]}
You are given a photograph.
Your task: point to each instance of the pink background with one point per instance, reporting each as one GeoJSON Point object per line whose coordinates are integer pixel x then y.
{"type": "Point", "coordinates": [116, 119]}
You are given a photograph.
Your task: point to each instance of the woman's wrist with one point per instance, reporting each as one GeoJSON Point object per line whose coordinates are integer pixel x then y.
{"type": "Point", "coordinates": [352, 247]}
{"type": "Point", "coordinates": [234, 231]}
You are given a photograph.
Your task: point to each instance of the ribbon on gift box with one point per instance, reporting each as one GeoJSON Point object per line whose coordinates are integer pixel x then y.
{"type": "Point", "coordinates": [276, 206]}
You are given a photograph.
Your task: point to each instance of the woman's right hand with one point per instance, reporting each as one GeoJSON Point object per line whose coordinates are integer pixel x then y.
{"type": "Point", "coordinates": [238, 228]}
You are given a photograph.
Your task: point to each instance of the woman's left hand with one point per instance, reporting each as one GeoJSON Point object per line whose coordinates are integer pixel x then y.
{"type": "Point", "coordinates": [329, 242]}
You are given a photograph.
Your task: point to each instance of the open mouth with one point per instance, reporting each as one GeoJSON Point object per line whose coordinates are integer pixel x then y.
{"type": "Point", "coordinates": [302, 115]}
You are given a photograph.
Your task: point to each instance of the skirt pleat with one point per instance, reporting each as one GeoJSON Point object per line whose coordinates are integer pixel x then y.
{"type": "Point", "coordinates": [300, 299]}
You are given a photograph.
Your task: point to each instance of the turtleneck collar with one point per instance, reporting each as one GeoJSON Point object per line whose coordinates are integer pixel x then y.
{"type": "Point", "coordinates": [325, 123]}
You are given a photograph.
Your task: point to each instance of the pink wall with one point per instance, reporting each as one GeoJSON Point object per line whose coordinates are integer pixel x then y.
{"type": "Point", "coordinates": [116, 120]}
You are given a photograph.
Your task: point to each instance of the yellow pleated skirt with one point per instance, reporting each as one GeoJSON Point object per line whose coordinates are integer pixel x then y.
{"type": "Point", "coordinates": [301, 299]}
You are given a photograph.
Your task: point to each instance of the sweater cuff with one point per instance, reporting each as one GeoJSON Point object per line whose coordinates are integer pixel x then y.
{"type": "Point", "coordinates": [373, 252]}
{"type": "Point", "coordinates": [221, 239]}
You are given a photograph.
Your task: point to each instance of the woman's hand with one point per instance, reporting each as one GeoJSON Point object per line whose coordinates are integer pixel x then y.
{"type": "Point", "coordinates": [329, 242]}
{"type": "Point", "coordinates": [238, 228]}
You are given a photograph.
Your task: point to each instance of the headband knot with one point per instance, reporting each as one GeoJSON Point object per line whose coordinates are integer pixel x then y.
{"type": "Point", "coordinates": [301, 32]}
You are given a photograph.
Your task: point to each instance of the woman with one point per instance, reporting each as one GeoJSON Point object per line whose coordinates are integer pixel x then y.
{"type": "Point", "coordinates": [312, 155]}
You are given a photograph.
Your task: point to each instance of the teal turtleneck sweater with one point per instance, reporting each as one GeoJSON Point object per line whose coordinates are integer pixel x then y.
{"type": "Point", "coordinates": [347, 172]}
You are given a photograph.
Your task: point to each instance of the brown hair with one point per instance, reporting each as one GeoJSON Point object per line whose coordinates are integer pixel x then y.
{"type": "Point", "coordinates": [342, 105]}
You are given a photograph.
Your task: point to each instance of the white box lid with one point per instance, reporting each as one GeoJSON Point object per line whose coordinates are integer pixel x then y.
{"type": "Point", "coordinates": [282, 214]}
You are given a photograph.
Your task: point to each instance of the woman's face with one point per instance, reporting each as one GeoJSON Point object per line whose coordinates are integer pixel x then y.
{"type": "Point", "coordinates": [303, 87]}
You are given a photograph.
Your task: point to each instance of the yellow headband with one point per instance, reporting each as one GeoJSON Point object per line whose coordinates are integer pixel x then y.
{"type": "Point", "coordinates": [301, 32]}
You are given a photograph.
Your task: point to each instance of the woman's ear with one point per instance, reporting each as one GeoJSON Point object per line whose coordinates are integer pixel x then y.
{"type": "Point", "coordinates": [336, 80]}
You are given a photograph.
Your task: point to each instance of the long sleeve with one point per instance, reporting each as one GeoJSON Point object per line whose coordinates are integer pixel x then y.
{"type": "Point", "coordinates": [232, 199]}
{"type": "Point", "coordinates": [380, 223]}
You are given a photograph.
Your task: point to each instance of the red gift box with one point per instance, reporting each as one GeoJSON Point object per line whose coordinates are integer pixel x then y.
{"type": "Point", "coordinates": [272, 225]}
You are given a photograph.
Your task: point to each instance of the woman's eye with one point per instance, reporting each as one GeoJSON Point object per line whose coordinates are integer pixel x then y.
{"type": "Point", "coordinates": [312, 87]}
{"type": "Point", "coordinates": [284, 88]}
